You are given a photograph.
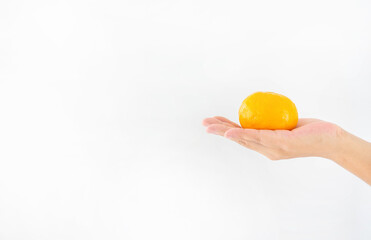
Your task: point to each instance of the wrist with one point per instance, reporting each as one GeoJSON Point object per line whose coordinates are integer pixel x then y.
{"type": "Point", "coordinates": [348, 146]}
{"type": "Point", "coordinates": [353, 154]}
{"type": "Point", "coordinates": [341, 146]}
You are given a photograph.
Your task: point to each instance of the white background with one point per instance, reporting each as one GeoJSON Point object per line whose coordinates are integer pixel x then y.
{"type": "Point", "coordinates": [101, 104]}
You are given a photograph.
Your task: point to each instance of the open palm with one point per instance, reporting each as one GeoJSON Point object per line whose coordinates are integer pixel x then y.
{"type": "Point", "coordinates": [307, 139]}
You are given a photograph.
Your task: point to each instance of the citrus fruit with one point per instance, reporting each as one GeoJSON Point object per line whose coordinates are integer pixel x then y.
{"type": "Point", "coordinates": [268, 110]}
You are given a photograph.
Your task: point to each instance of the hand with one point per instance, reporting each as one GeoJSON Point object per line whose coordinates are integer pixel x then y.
{"type": "Point", "coordinates": [311, 137]}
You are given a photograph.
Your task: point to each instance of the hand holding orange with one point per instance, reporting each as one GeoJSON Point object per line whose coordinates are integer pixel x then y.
{"type": "Point", "coordinates": [309, 137]}
{"type": "Point", "coordinates": [268, 110]}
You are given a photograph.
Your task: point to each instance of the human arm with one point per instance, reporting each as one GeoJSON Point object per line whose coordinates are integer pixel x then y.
{"type": "Point", "coordinates": [311, 137]}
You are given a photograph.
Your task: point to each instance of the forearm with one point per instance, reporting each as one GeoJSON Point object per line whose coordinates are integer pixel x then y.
{"type": "Point", "coordinates": [354, 154]}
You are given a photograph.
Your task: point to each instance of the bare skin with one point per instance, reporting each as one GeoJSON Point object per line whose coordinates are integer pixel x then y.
{"type": "Point", "coordinates": [311, 137]}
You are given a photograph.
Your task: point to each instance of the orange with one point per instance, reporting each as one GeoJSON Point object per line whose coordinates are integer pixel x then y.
{"type": "Point", "coordinates": [268, 110]}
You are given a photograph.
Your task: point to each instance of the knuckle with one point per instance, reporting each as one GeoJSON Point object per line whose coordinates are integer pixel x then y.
{"type": "Point", "coordinates": [248, 144]}
{"type": "Point", "coordinates": [242, 142]}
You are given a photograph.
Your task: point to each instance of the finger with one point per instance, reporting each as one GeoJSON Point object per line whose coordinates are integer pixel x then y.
{"type": "Point", "coordinates": [208, 121]}
{"type": "Point", "coordinates": [251, 135]}
{"type": "Point", "coordinates": [271, 139]}
{"type": "Point", "coordinates": [218, 129]}
{"type": "Point", "coordinates": [223, 119]}
{"type": "Point", "coordinates": [257, 147]}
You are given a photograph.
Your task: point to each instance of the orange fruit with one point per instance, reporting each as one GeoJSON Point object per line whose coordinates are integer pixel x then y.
{"type": "Point", "coordinates": [268, 110]}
